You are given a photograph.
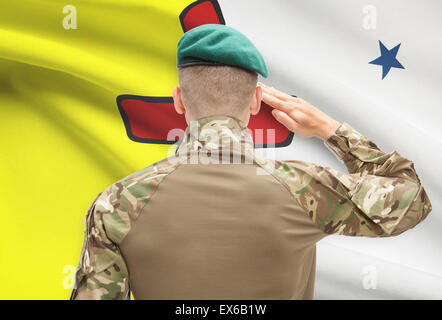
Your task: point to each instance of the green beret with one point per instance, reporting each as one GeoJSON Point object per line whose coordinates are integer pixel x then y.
{"type": "Point", "coordinates": [217, 44]}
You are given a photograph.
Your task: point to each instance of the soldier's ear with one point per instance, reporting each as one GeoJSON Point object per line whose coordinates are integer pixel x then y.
{"type": "Point", "coordinates": [177, 101]}
{"type": "Point", "coordinates": [255, 104]}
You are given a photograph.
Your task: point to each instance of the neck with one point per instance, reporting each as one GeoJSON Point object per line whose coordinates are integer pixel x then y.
{"type": "Point", "coordinates": [217, 132]}
{"type": "Point", "coordinates": [243, 117]}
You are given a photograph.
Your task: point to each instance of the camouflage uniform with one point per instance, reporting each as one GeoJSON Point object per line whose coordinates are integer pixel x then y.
{"type": "Point", "coordinates": [192, 227]}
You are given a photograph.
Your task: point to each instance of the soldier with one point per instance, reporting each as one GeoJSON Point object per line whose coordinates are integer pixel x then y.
{"type": "Point", "coordinates": [193, 227]}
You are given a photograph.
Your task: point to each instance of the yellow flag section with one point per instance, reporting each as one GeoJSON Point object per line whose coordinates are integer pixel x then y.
{"type": "Point", "coordinates": [62, 65]}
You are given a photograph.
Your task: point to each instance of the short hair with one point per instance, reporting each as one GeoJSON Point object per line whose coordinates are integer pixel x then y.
{"type": "Point", "coordinates": [209, 90]}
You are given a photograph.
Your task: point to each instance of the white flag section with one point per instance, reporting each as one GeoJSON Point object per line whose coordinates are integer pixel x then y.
{"type": "Point", "coordinates": [320, 51]}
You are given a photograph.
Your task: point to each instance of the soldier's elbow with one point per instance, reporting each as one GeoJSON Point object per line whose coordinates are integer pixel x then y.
{"type": "Point", "coordinates": [416, 213]}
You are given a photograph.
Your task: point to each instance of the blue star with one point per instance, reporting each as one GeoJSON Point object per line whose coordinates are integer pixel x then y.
{"type": "Point", "coordinates": [387, 59]}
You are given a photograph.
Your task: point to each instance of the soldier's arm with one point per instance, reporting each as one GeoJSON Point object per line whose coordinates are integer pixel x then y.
{"type": "Point", "coordinates": [382, 195]}
{"type": "Point", "coordinates": [102, 273]}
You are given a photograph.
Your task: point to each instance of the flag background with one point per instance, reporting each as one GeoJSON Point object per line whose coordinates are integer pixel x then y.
{"type": "Point", "coordinates": [62, 137]}
{"type": "Point", "coordinates": [63, 140]}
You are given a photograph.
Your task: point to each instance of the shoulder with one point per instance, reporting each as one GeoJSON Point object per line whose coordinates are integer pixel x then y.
{"type": "Point", "coordinates": [139, 185]}
{"type": "Point", "coordinates": [311, 184]}
{"type": "Point", "coordinates": [293, 172]}
{"type": "Point", "coordinates": [299, 175]}
{"type": "Point", "coordinates": [119, 205]}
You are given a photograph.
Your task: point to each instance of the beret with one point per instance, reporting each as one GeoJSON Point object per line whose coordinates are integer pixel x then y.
{"type": "Point", "coordinates": [217, 44]}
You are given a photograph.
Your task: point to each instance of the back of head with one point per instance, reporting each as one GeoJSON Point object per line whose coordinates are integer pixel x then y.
{"type": "Point", "coordinates": [210, 90]}
{"type": "Point", "coordinates": [218, 69]}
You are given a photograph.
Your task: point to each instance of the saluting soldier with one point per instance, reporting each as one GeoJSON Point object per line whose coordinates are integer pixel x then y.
{"type": "Point", "coordinates": [206, 223]}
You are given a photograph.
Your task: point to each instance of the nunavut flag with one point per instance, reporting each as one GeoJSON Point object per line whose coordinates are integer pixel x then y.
{"type": "Point", "coordinates": [85, 100]}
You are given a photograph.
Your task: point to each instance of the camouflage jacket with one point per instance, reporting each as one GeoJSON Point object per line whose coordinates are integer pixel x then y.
{"type": "Point", "coordinates": [381, 196]}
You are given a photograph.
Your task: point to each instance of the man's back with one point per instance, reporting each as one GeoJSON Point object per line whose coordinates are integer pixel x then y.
{"type": "Point", "coordinates": [217, 222]}
{"type": "Point", "coordinates": [233, 235]}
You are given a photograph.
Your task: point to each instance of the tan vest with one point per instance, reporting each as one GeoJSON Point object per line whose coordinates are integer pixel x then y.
{"type": "Point", "coordinates": [221, 231]}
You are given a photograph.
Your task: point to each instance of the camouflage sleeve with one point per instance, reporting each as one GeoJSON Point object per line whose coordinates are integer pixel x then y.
{"type": "Point", "coordinates": [102, 272]}
{"type": "Point", "coordinates": [381, 196]}
{"type": "Point", "coordinates": [360, 155]}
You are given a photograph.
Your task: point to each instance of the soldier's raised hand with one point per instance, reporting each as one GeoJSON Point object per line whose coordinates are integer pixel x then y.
{"type": "Point", "coordinates": [298, 115]}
